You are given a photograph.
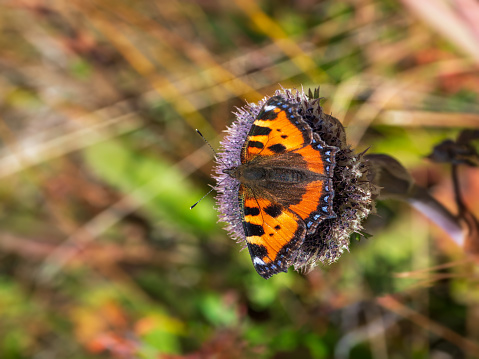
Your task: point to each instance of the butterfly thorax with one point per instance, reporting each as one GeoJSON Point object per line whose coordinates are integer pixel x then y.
{"type": "Point", "coordinates": [251, 175]}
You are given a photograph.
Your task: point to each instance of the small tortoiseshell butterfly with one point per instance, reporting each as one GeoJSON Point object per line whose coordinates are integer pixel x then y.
{"type": "Point", "coordinates": [285, 188]}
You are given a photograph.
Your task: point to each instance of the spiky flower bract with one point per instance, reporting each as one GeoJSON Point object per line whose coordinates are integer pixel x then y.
{"type": "Point", "coordinates": [352, 189]}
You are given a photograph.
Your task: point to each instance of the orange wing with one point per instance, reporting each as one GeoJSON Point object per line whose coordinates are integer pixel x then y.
{"type": "Point", "coordinates": [273, 233]}
{"type": "Point", "coordinates": [275, 230]}
{"type": "Point", "coordinates": [278, 128]}
{"type": "Point", "coordinates": [316, 203]}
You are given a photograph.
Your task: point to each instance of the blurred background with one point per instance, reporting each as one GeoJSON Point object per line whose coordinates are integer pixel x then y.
{"type": "Point", "coordinates": [100, 255]}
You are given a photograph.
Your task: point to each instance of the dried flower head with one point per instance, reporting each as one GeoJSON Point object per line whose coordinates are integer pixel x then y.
{"type": "Point", "coordinates": [351, 193]}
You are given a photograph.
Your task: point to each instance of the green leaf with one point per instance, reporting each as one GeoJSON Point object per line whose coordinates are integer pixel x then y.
{"type": "Point", "coordinates": [163, 189]}
{"type": "Point", "coordinates": [217, 311]}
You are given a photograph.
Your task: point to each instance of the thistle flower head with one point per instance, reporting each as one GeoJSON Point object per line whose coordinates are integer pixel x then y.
{"type": "Point", "coordinates": [352, 191]}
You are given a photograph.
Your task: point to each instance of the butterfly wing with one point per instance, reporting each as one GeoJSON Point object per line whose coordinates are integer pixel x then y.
{"type": "Point", "coordinates": [273, 233]}
{"type": "Point", "coordinates": [315, 203]}
{"type": "Point", "coordinates": [280, 212]}
{"type": "Point", "coordinates": [277, 129]}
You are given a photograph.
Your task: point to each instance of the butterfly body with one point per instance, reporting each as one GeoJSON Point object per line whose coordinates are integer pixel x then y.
{"type": "Point", "coordinates": [285, 185]}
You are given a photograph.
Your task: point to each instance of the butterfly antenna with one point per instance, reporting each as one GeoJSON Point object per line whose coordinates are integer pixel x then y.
{"type": "Point", "coordinates": [212, 189]}
{"type": "Point", "coordinates": [193, 206]}
{"type": "Point", "coordinates": [212, 149]}
{"type": "Point", "coordinates": [217, 157]}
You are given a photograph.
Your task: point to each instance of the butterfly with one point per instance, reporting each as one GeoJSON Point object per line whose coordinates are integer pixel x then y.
{"type": "Point", "coordinates": [285, 185]}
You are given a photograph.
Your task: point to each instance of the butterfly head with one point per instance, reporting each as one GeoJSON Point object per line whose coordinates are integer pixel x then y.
{"type": "Point", "coordinates": [232, 172]}
{"type": "Point", "coordinates": [247, 174]}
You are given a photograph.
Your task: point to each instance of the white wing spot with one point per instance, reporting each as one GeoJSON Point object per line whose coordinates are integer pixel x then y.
{"type": "Point", "coordinates": [269, 108]}
{"type": "Point", "coordinates": [258, 260]}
